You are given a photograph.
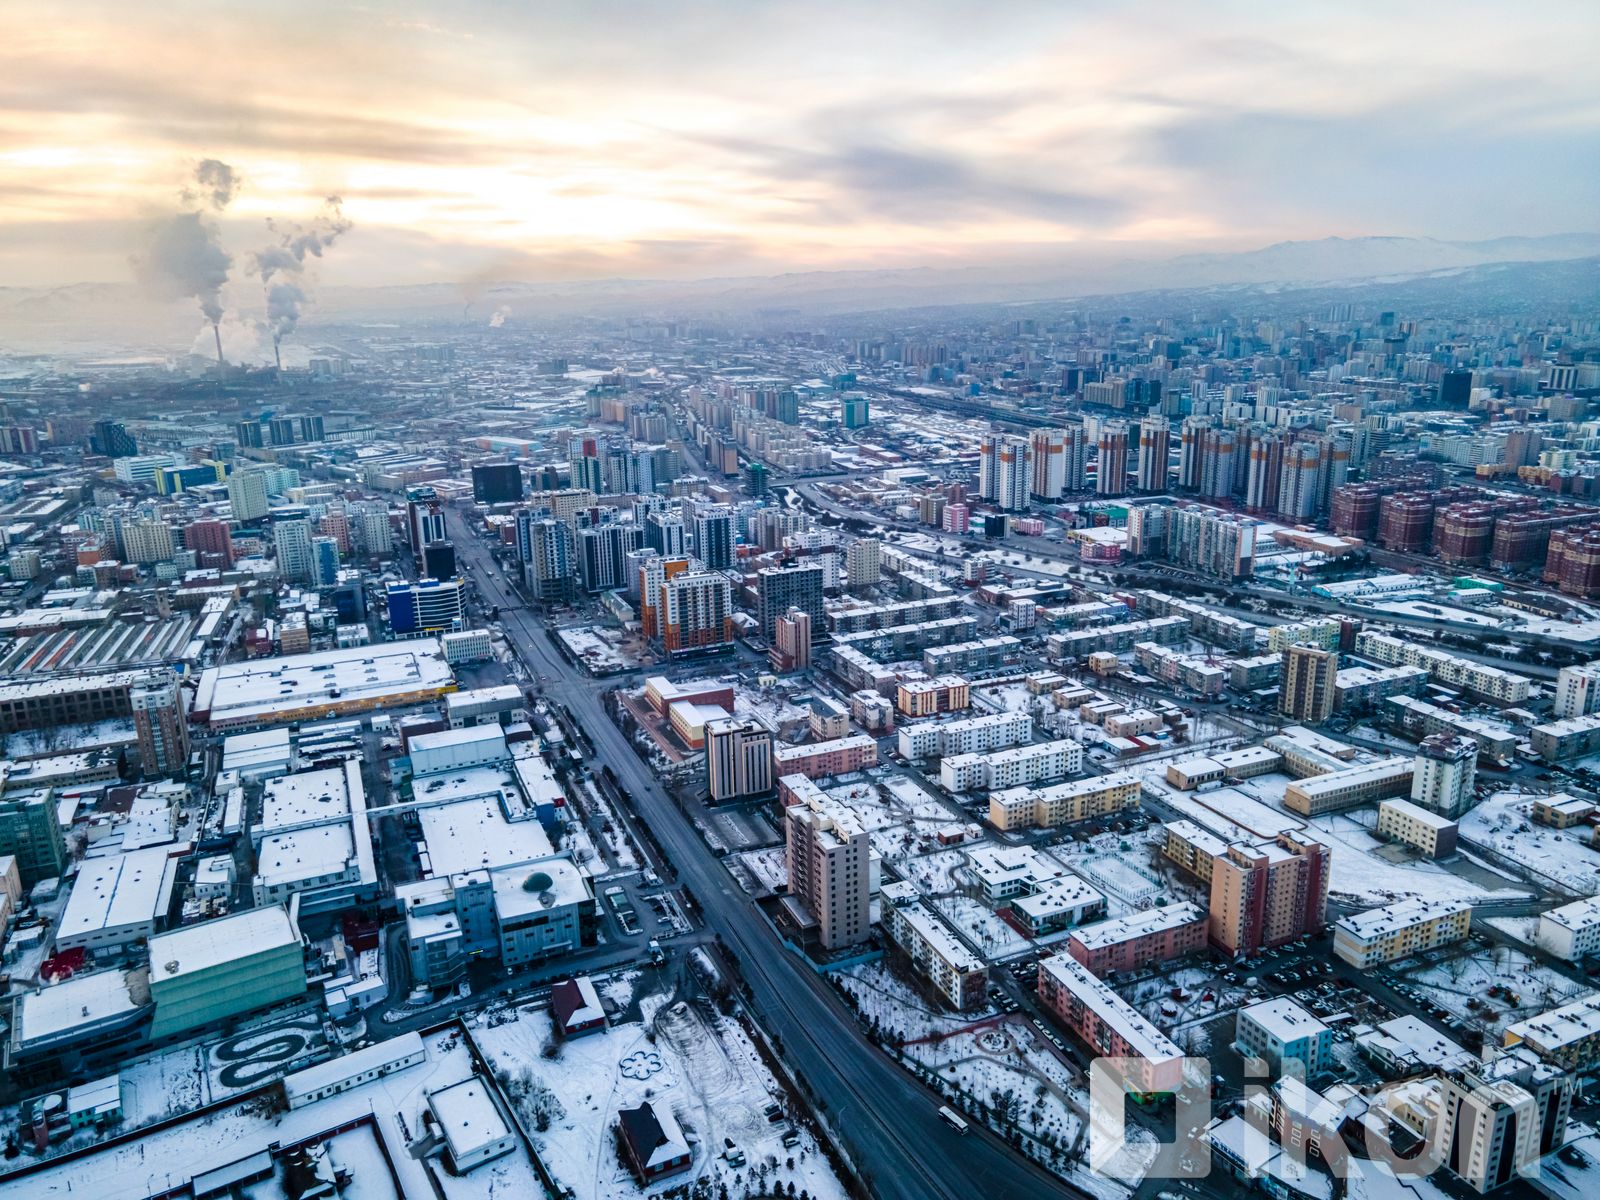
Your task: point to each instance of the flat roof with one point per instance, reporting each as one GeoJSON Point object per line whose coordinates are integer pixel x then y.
{"type": "Point", "coordinates": [129, 889]}
{"type": "Point", "coordinates": [304, 798]}
{"type": "Point", "coordinates": [337, 1070]}
{"type": "Point", "coordinates": [1400, 915]}
{"type": "Point", "coordinates": [277, 688]}
{"type": "Point", "coordinates": [932, 929]}
{"type": "Point", "coordinates": [304, 854]}
{"type": "Point", "coordinates": [1283, 1019]}
{"type": "Point", "coordinates": [467, 735]}
{"type": "Point", "coordinates": [221, 940]}
{"type": "Point", "coordinates": [474, 835]}
{"type": "Point", "coordinates": [76, 1002]}
{"type": "Point", "coordinates": [567, 885]}
{"type": "Point", "coordinates": [1417, 813]}
{"type": "Point", "coordinates": [1143, 1037]}
{"type": "Point", "coordinates": [1140, 924]}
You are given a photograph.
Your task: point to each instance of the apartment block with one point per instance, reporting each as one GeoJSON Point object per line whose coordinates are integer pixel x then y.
{"type": "Point", "coordinates": [936, 954]}
{"type": "Point", "coordinates": [1349, 788]}
{"type": "Point", "coordinates": [1269, 893]}
{"type": "Point", "coordinates": [1020, 765]}
{"type": "Point", "coordinates": [816, 759]}
{"type": "Point", "coordinates": [1428, 833]}
{"type": "Point", "coordinates": [931, 697]}
{"type": "Point", "coordinates": [1571, 932]}
{"type": "Point", "coordinates": [1141, 939]}
{"type": "Point", "coordinates": [1065, 803]}
{"type": "Point", "coordinates": [829, 860]}
{"type": "Point", "coordinates": [1491, 683]}
{"type": "Point", "coordinates": [1281, 1031]}
{"type": "Point", "coordinates": [1382, 935]}
{"type": "Point", "coordinates": [1109, 1025]}
{"type": "Point", "coordinates": [967, 735]}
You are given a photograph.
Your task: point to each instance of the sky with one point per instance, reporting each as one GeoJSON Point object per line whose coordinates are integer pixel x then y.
{"type": "Point", "coordinates": [550, 140]}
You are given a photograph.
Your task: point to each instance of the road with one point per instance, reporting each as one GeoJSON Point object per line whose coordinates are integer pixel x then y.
{"type": "Point", "coordinates": [888, 1123]}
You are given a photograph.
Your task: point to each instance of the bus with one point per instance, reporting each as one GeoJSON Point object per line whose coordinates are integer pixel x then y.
{"type": "Point", "coordinates": [953, 1119]}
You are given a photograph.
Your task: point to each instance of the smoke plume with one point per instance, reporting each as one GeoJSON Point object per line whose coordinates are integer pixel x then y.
{"type": "Point", "coordinates": [183, 256]}
{"type": "Point", "coordinates": [499, 317]}
{"type": "Point", "coordinates": [282, 266]}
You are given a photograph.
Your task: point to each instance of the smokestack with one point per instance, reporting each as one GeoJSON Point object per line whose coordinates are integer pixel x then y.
{"type": "Point", "coordinates": [277, 354]}
{"type": "Point", "coordinates": [216, 330]}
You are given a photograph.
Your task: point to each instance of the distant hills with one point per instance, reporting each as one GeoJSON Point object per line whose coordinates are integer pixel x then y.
{"type": "Point", "coordinates": [99, 316]}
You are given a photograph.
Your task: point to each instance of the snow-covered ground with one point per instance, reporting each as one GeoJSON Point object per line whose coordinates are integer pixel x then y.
{"type": "Point", "coordinates": [699, 1064]}
{"type": "Point", "coordinates": [1461, 985]}
{"type": "Point", "coordinates": [1373, 872]}
{"type": "Point", "coordinates": [1561, 856]}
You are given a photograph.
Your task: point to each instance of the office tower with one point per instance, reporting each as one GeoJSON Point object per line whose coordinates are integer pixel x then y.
{"type": "Point", "coordinates": [696, 611]}
{"type": "Point", "coordinates": [1218, 448]}
{"type": "Point", "coordinates": [250, 433]}
{"type": "Point", "coordinates": [738, 758]}
{"type": "Point", "coordinates": [664, 533]}
{"type": "Point", "coordinates": [1265, 471]}
{"type": "Point", "coordinates": [291, 540]}
{"type": "Point", "coordinates": [1211, 542]}
{"type": "Point", "coordinates": [312, 429]}
{"type": "Point", "coordinates": [1522, 447]}
{"type": "Point", "coordinates": [791, 642]}
{"type": "Point", "coordinates": [756, 479]}
{"type": "Point", "coordinates": [830, 869]}
{"type": "Point", "coordinates": [424, 518]}
{"type": "Point", "coordinates": [30, 829]}
{"type": "Point", "coordinates": [547, 569]}
{"type": "Point", "coordinates": [1154, 435]}
{"type": "Point", "coordinates": [1300, 484]}
{"type": "Point", "coordinates": [247, 494]}
{"type": "Point", "coordinates": [861, 563]}
{"type": "Point", "coordinates": [781, 588]}
{"type": "Point", "coordinates": [1004, 471]}
{"type": "Point", "coordinates": [1577, 691]}
{"type": "Point", "coordinates": [1306, 691]}
{"type": "Point", "coordinates": [438, 561]}
{"type": "Point", "coordinates": [496, 483]}
{"type": "Point", "coordinates": [161, 724]}
{"type": "Point", "coordinates": [1446, 775]}
{"type": "Point", "coordinates": [1111, 477]}
{"type": "Point", "coordinates": [713, 537]}
{"type": "Point", "coordinates": [421, 607]}
{"type": "Point", "coordinates": [112, 439]}
{"type": "Point", "coordinates": [1267, 894]}
{"type": "Point", "coordinates": [602, 555]}
{"type": "Point", "coordinates": [786, 407]}
{"type": "Point", "coordinates": [281, 430]}
{"type": "Point", "coordinates": [1049, 452]}
{"type": "Point", "coordinates": [145, 541]}
{"type": "Point", "coordinates": [853, 412]}
{"type": "Point", "coordinates": [325, 561]}
{"type": "Point", "coordinates": [377, 535]}
{"type": "Point", "coordinates": [1455, 389]}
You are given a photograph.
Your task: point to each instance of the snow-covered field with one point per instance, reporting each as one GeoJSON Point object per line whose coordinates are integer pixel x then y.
{"type": "Point", "coordinates": [1463, 978]}
{"type": "Point", "coordinates": [1373, 872]}
{"type": "Point", "coordinates": [699, 1064]}
{"type": "Point", "coordinates": [1562, 856]}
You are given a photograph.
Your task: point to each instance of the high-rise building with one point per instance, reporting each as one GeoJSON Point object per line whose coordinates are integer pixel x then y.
{"type": "Point", "coordinates": [696, 611]}
{"type": "Point", "coordinates": [1455, 389]}
{"type": "Point", "coordinates": [547, 568]}
{"type": "Point", "coordinates": [1300, 484]}
{"type": "Point", "coordinates": [1446, 775]}
{"type": "Point", "coordinates": [247, 494]}
{"type": "Point", "coordinates": [738, 758]}
{"type": "Point", "coordinates": [1154, 435]}
{"type": "Point", "coordinates": [1049, 451]}
{"type": "Point", "coordinates": [713, 537]}
{"type": "Point", "coordinates": [861, 563]}
{"type": "Point", "coordinates": [325, 561]}
{"type": "Point", "coordinates": [1189, 452]}
{"type": "Point", "coordinates": [496, 483]}
{"type": "Point", "coordinates": [424, 518]}
{"type": "Point", "coordinates": [1264, 473]}
{"type": "Point", "coordinates": [853, 412]}
{"type": "Point", "coordinates": [664, 533]}
{"type": "Point", "coordinates": [602, 555]}
{"type": "Point", "coordinates": [1577, 691]}
{"type": "Point", "coordinates": [161, 724]}
{"type": "Point", "coordinates": [30, 830]}
{"type": "Point", "coordinates": [1267, 894]}
{"type": "Point", "coordinates": [112, 439]}
{"type": "Point", "coordinates": [377, 535]}
{"type": "Point", "coordinates": [1004, 471]}
{"type": "Point", "coordinates": [781, 588]}
{"type": "Point", "coordinates": [791, 642]}
{"type": "Point", "coordinates": [211, 542]}
{"type": "Point", "coordinates": [1214, 543]}
{"type": "Point", "coordinates": [291, 540]}
{"type": "Point", "coordinates": [1306, 692]}
{"type": "Point", "coordinates": [146, 541]}
{"type": "Point", "coordinates": [1218, 451]}
{"type": "Point", "coordinates": [426, 606]}
{"type": "Point", "coordinates": [829, 857]}
{"type": "Point", "coordinates": [1111, 477]}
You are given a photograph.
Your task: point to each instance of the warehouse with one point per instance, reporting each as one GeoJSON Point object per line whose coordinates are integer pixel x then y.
{"type": "Point", "coordinates": [305, 687]}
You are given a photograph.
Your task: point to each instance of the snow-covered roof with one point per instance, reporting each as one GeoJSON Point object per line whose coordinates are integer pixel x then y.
{"type": "Point", "coordinates": [1283, 1019]}
{"type": "Point", "coordinates": [222, 940]}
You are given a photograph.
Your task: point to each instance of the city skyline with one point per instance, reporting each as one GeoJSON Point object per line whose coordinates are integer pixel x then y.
{"type": "Point", "coordinates": [483, 143]}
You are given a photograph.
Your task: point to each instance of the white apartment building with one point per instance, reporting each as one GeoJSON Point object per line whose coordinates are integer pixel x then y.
{"type": "Point", "coordinates": [936, 954]}
{"type": "Point", "coordinates": [1426, 832]}
{"type": "Point", "coordinates": [1577, 691]}
{"type": "Point", "coordinates": [1446, 775]}
{"type": "Point", "coordinates": [1065, 803]}
{"type": "Point", "coordinates": [1019, 765]}
{"type": "Point", "coordinates": [970, 735]}
{"type": "Point", "coordinates": [1571, 932]}
{"type": "Point", "coordinates": [1502, 687]}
